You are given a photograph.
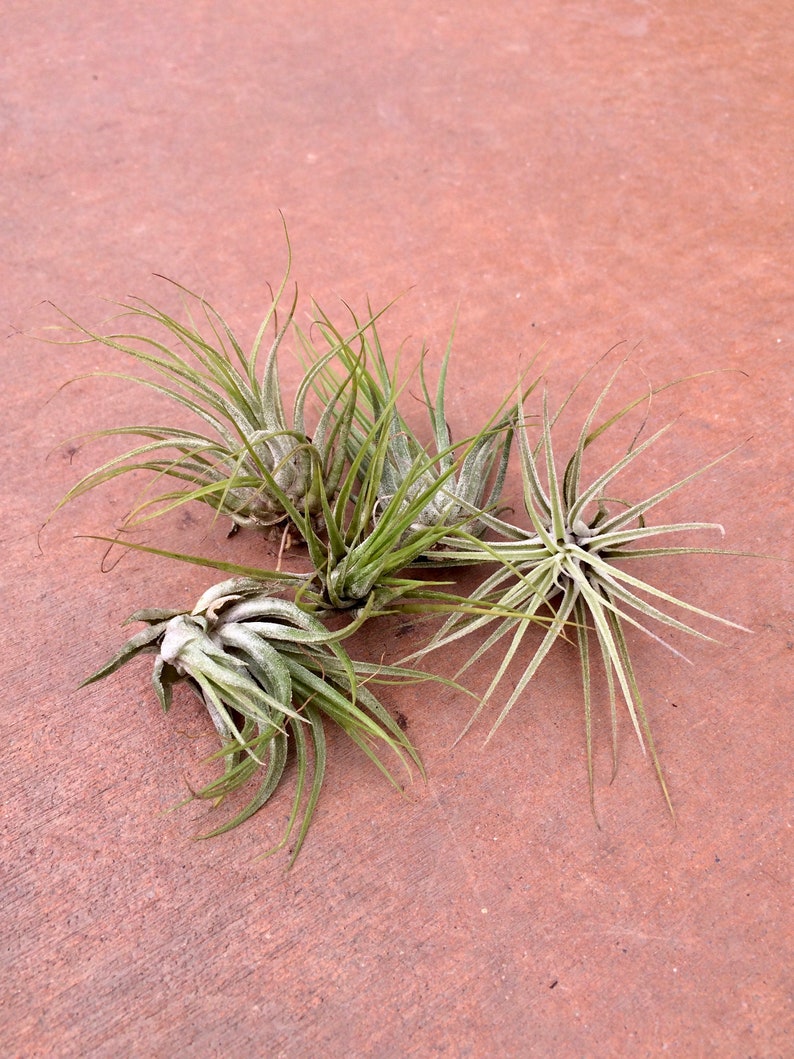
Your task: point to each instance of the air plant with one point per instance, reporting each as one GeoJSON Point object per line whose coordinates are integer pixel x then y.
{"type": "Point", "coordinates": [573, 568]}
{"type": "Point", "coordinates": [248, 455]}
{"type": "Point", "coordinates": [461, 483]}
{"type": "Point", "coordinates": [368, 541]}
{"type": "Point", "coordinates": [270, 675]}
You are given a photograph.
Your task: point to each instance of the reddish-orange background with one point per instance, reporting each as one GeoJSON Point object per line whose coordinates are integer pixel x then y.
{"type": "Point", "coordinates": [566, 175]}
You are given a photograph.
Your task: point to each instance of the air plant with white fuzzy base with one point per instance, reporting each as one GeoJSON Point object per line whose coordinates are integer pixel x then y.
{"type": "Point", "coordinates": [270, 676]}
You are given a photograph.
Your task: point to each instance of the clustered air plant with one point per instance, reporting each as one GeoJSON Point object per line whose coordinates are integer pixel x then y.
{"type": "Point", "coordinates": [374, 509]}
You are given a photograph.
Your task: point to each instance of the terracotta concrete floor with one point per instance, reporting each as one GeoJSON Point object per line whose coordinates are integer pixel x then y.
{"type": "Point", "coordinates": [572, 175]}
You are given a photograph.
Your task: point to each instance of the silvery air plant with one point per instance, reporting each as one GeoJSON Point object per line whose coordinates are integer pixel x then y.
{"type": "Point", "coordinates": [375, 510]}
{"type": "Point", "coordinates": [270, 675]}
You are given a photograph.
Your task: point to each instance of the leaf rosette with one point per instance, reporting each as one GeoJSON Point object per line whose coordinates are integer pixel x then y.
{"type": "Point", "coordinates": [271, 676]}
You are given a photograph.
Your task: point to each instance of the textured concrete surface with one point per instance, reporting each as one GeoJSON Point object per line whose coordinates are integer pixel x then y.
{"type": "Point", "coordinates": [571, 175]}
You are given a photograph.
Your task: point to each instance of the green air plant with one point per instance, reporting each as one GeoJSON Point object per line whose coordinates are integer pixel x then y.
{"type": "Point", "coordinates": [361, 541]}
{"type": "Point", "coordinates": [270, 676]}
{"type": "Point", "coordinates": [574, 566]}
{"type": "Point", "coordinates": [248, 455]}
{"type": "Point", "coordinates": [460, 483]}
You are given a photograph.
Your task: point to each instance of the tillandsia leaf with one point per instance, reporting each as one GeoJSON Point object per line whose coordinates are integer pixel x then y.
{"type": "Point", "coordinates": [247, 457]}
{"type": "Point", "coordinates": [145, 641]}
{"type": "Point", "coordinates": [271, 676]}
{"type": "Point", "coordinates": [571, 563]}
{"type": "Point", "coordinates": [287, 579]}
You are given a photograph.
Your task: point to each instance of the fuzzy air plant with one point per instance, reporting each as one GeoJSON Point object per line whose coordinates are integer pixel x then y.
{"type": "Point", "coordinates": [374, 509]}
{"type": "Point", "coordinates": [271, 676]}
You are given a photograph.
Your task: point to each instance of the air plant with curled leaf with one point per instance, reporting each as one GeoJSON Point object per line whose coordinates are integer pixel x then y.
{"type": "Point", "coordinates": [574, 569]}
{"type": "Point", "coordinates": [271, 676]}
